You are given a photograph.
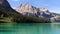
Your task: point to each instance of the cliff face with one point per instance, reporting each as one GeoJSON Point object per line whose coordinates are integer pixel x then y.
{"type": "Point", "coordinates": [30, 10]}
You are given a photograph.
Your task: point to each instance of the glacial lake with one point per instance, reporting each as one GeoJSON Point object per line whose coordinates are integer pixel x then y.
{"type": "Point", "coordinates": [35, 28]}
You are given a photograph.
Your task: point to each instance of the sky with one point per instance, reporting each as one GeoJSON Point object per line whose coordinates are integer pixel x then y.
{"type": "Point", "coordinates": [51, 5]}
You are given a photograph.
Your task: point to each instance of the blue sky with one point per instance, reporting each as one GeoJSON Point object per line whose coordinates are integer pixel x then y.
{"type": "Point", "coordinates": [52, 5]}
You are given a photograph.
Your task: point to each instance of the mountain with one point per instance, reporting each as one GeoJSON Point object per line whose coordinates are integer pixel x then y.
{"type": "Point", "coordinates": [6, 9]}
{"type": "Point", "coordinates": [30, 10]}
{"type": "Point", "coordinates": [7, 14]}
{"type": "Point", "coordinates": [56, 18]}
{"type": "Point", "coordinates": [4, 3]}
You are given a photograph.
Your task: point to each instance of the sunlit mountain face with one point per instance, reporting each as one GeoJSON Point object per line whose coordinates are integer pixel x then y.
{"type": "Point", "coordinates": [30, 10]}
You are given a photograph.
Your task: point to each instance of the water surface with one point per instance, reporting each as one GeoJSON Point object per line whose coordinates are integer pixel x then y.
{"type": "Point", "coordinates": [35, 28]}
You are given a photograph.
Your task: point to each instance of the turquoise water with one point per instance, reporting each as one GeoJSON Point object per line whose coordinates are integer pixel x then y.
{"type": "Point", "coordinates": [30, 28]}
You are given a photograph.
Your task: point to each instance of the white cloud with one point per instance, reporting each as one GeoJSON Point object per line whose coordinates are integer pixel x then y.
{"type": "Point", "coordinates": [51, 10]}
{"type": "Point", "coordinates": [55, 11]}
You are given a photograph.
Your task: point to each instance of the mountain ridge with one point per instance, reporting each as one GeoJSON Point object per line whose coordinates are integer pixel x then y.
{"type": "Point", "coordinates": [30, 10]}
{"type": "Point", "coordinates": [7, 14]}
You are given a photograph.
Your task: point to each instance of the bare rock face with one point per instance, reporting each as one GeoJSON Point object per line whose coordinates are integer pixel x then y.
{"type": "Point", "coordinates": [29, 10]}
{"type": "Point", "coordinates": [25, 8]}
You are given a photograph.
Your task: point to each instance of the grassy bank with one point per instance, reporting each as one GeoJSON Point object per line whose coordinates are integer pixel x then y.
{"type": "Point", "coordinates": [5, 20]}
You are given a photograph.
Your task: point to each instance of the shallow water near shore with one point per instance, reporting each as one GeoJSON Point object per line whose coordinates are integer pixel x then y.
{"type": "Point", "coordinates": [35, 28]}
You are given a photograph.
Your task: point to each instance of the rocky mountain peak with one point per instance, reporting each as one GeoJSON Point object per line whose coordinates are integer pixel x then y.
{"type": "Point", "coordinates": [23, 8]}
{"type": "Point", "coordinates": [27, 9]}
{"type": "Point", "coordinates": [25, 5]}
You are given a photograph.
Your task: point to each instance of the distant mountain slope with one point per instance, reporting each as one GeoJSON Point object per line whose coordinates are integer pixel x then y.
{"type": "Point", "coordinates": [29, 10]}
{"type": "Point", "coordinates": [6, 12]}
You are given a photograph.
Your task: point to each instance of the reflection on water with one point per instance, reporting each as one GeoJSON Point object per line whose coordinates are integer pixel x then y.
{"type": "Point", "coordinates": [30, 28]}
